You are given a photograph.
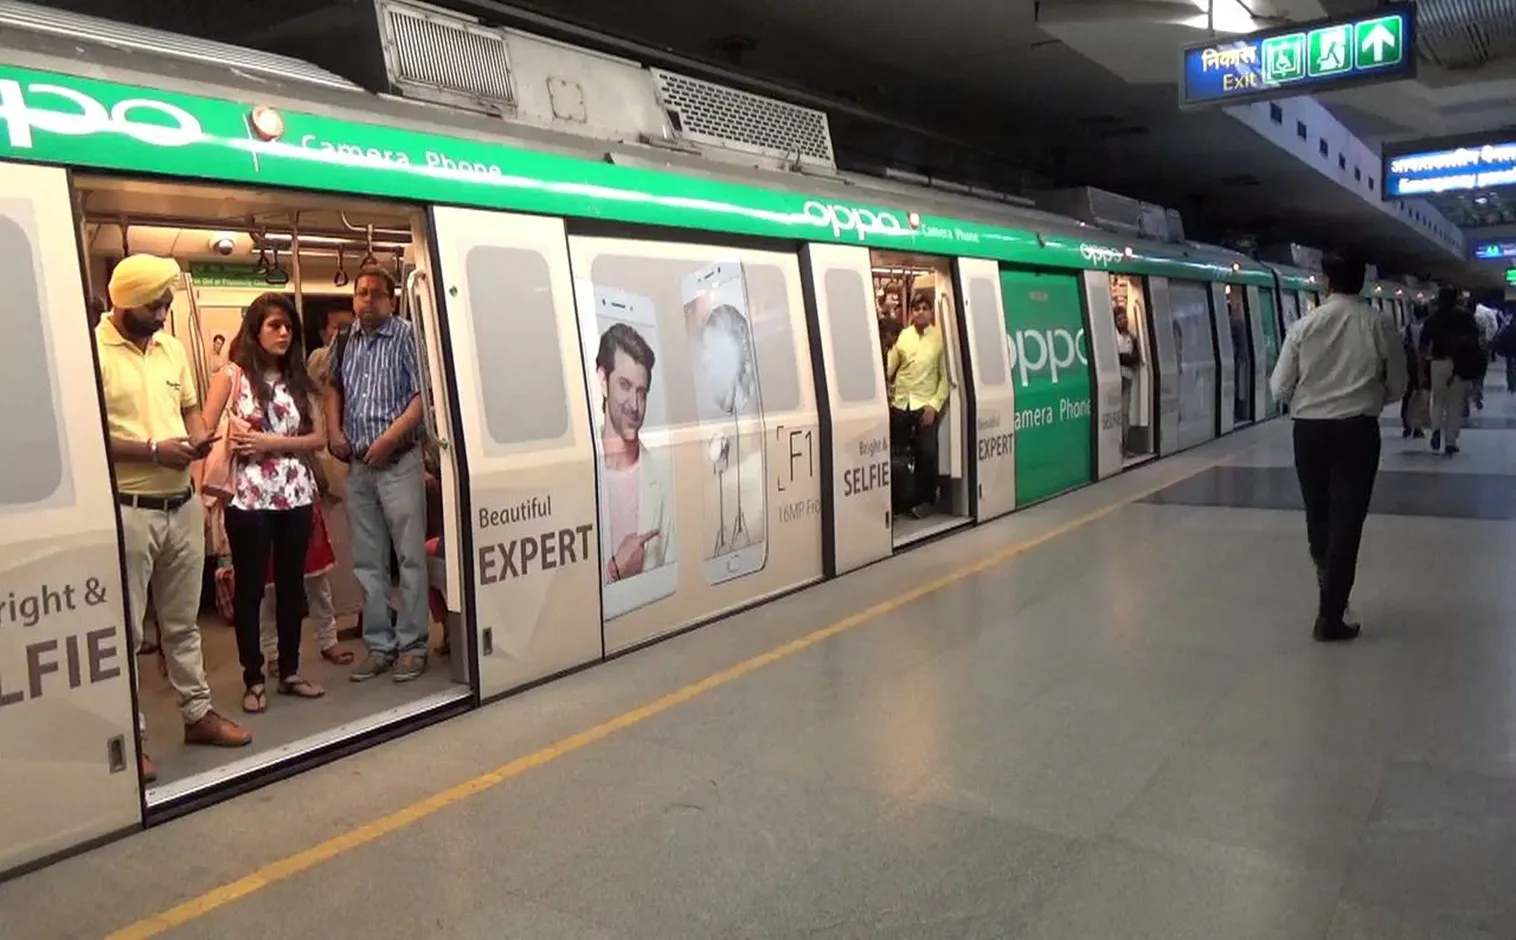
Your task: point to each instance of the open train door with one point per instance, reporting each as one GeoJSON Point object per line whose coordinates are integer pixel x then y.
{"type": "Point", "coordinates": [68, 753]}
{"type": "Point", "coordinates": [856, 515]}
{"type": "Point", "coordinates": [530, 559]}
{"type": "Point", "coordinates": [994, 418]}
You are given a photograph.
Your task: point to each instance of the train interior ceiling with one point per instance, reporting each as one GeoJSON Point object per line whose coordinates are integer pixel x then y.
{"type": "Point", "coordinates": [235, 245]}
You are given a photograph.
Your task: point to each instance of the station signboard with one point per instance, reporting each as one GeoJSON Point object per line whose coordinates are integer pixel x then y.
{"type": "Point", "coordinates": [1431, 167]}
{"type": "Point", "coordinates": [1302, 59]}
{"type": "Point", "coordinates": [1497, 249]}
{"type": "Point", "coordinates": [1510, 277]}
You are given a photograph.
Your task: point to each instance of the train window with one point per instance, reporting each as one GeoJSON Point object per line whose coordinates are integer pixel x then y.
{"type": "Point", "coordinates": [31, 430]}
{"type": "Point", "coordinates": [988, 324]}
{"type": "Point", "coordinates": [661, 287]}
{"type": "Point", "coordinates": [516, 339]}
{"type": "Point", "coordinates": [851, 317]}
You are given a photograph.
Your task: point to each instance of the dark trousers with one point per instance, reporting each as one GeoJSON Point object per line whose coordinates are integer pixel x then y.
{"type": "Point", "coordinates": [907, 432]}
{"type": "Point", "coordinates": [1336, 461]}
{"type": "Point", "coordinates": [255, 535]}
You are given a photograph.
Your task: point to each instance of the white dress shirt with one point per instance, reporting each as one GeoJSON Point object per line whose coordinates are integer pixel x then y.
{"type": "Point", "coordinates": [1341, 360]}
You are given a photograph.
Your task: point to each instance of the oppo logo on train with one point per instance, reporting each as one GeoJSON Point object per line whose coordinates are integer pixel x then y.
{"type": "Point", "coordinates": [1035, 350]}
{"type": "Point", "coordinates": [1099, 255]}
{"type": "Point", "coordinates": [55, 109]}
{"type": "Point", "coordinates": [861, 222]}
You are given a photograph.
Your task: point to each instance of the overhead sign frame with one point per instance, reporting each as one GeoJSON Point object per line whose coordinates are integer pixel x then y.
{"type": "Point", "coordinates": [1300, 59]}
{"type": "Point", "coordinates": [1467, 163]}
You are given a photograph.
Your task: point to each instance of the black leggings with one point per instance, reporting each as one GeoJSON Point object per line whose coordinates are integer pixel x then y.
{"type": "Point", "coordinates": [255, 534]}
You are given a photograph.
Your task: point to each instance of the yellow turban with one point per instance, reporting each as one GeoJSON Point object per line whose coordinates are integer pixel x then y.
{"type": "Point", "coordinates": [141, 279]}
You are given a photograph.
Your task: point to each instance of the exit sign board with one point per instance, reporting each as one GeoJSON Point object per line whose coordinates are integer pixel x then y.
{"type": "Point", "coordinates": [1510, 277]}
{"type": "Point", "coordinates": [1301, 60]}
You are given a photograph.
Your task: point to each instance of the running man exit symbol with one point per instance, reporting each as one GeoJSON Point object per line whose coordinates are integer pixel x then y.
{"type": "Point", "coordinates": [1284, 58]}
{"type": "Point", "coordinates": [1379, 42]}
{"type": "Point", "coordinates": [1330, 50]}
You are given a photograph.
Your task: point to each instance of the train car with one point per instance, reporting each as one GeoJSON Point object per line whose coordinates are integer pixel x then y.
{"type": "Point", "coordinates": [522, 255]}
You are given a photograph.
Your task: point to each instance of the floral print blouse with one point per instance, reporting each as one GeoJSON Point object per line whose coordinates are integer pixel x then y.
{"type": "Point", "coordinates": [269, 481]}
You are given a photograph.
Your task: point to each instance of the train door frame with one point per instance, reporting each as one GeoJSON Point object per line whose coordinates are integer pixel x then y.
{"type": "Point", "coordinates": [1166, 423]}
{"type": "Point", "coordinates": [86, 803]}
{"type": "Point", "coordinates": [1106, 375]}
{"type": "Point", "coordinates": [1258, 410]}
{"type": "Point", "coordinates": [1224, 351]}
{"type": "Point", "coordinates": [508, 489]}
{"type": "Point", "coordinates": [856, 520]}
{"type": "Point", "coordinates": [992, 402]}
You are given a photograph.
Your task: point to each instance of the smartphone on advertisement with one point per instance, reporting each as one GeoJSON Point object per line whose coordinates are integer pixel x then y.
{"type": "Point", "coordinates": [634, 471]}
{"type": "Point", "coordinates": [718, 322]}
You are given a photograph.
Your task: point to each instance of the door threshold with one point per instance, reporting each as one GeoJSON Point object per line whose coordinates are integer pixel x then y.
{"type": "Point", "coordinates": [187, 788]}
{"type": "Point", "coordinates": [909, 530]}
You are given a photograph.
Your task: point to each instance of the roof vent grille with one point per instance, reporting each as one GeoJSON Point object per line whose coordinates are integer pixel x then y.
{"type": "Point", "coordinates": [445, 57]}
{"type": "Point", "coordinates": [716, 115]}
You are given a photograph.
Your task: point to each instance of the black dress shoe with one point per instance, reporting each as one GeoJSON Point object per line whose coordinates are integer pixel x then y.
{"type": "Point", "coordinates": [1335, 632]}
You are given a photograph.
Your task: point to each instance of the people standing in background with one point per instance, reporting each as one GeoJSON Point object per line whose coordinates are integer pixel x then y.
{"type": "Point", "coordinates": [1450, 340]}
{"type": "Point", "coordinates": [156, 432]}
{"type": "Point", "coordinates": [1489, 325]}
{"type": "Point", "coordinates": [920, 391]}
{"type": "Point", "coordinates": [218, 353]}
{"type": "Point", "coordinates": [1504, 346]}
{"type": "Point", "coordinates": [1338, 369]}
{"type": "Point", "coordinates": [1130, 358]}
{"type": "Point", "coordinates": [1416, 371]}
{"type": "Point", "coordinates": [373, 418]}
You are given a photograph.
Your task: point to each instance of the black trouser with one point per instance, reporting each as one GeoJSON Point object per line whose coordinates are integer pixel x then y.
{"type": "Point", "coordinates": [907, 430]}
{"type": "Point", "coordinates": [1336, 461]}
{"type": "Point", "coordinates": [254, 536]}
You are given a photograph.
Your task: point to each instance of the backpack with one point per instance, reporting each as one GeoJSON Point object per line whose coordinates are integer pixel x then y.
{"type": "Point", "coordinates": [1468, 355]}
{"type": "Point", "coordinates": [334, 361]}
{"type": "Point", "coordinates": [1504, 343]}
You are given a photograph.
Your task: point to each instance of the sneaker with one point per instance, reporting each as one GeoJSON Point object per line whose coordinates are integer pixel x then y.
{"type": "Point", "coordinates": [1437, 440]}
{"type": "Point", "coordinates": [1405, 432]}
{"type": "Point", "coordinates": [374, 664]}
{"type": "Point", "coordinates": [1418, 434]}
{"type": "Point", "coordinates": [1349, 618]}
{"type": "Point", "coordinates": [409, 667]}
{"type": "Point", "coordinates": [924, 511]}
{"type": "Point", "coordinates": [1450, 450]}
{"type": "Point", "coordinates": [215, 731]}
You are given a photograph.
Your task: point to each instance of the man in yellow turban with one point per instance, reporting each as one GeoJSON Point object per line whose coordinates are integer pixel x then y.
{"type": "Point", "coordinates": [153, 412]}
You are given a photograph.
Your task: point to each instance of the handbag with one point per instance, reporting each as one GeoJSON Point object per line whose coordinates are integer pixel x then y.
{"type": "Point", "coordinates": [219, 479]}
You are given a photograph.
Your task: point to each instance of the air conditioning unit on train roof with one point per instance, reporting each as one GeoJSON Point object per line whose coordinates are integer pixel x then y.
{"type": "Point", "coordinates": [1108, 210]}
{"type": "Point", "coordinates": [1299, 256]}
{"type": "Point", "coordinates": [445, 57]}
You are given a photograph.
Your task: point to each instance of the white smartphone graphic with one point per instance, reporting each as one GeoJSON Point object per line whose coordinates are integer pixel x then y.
{"type": "Point", "coordinates": [734, 533]}
{"type": "Point", "coordinates": [634, 472]}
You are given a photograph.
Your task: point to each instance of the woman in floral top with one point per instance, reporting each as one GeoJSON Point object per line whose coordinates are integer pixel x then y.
{"type": "Point", "coordinates": [269, 400]}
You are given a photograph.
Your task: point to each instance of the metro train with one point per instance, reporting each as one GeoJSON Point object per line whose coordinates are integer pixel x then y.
{"type": "Point", "coordinates": [516, 254]}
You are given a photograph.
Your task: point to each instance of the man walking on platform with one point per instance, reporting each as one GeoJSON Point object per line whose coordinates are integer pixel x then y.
{"type": "Point", "coordinates": [1340, 366]}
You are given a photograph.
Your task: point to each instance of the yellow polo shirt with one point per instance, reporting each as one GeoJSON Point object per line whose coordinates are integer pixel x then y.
{"type": "Point", "coordinates": [146, 395]}
{"type": "Point", "coordinates": [920, 378]}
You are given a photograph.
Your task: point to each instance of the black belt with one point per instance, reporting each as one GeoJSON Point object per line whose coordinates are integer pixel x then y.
{"type": "Point", "coordinates": [155, 503]}
{"type": "Point", "coordinates": [395, 455]}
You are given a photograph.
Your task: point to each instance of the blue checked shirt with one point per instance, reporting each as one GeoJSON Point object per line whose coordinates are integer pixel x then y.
{"type": "Point", "coordinates": [380, 376]}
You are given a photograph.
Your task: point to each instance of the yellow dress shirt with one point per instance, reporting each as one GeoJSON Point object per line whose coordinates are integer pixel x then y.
{"type": "Point", "coordinates": [918, 370]}
{"type": "Point", "coordinates": [146, 395]}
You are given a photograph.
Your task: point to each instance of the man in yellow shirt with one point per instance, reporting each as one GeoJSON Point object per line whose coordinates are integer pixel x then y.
{"type": "Point", "coordinates": [918, 378]}
{"type": "Point", "coordinates": [156, 432]}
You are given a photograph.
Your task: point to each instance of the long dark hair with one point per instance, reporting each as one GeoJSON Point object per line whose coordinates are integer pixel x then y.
{"type": "Point", "coordinates": [249, 355]}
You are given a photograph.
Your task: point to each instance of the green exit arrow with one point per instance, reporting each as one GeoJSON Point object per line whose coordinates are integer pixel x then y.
{"type": "Point", "coordinates": [1380, 42]}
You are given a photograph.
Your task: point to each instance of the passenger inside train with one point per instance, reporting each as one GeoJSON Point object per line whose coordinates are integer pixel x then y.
{"type": "Point", "coordinates": [1138, 378]}
{"type": "Point", "coordinates": [916, 310]}
{"type": "Point", "coordinates": [291, 513]}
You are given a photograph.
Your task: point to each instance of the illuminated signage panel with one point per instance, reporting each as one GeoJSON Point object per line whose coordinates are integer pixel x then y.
{"type": "Point", "coordinates": [1450, 170]}
{"type": "Point", "coordinates": [1299, 60]}
{"type": "Point", "coordinates": [1496, 250]}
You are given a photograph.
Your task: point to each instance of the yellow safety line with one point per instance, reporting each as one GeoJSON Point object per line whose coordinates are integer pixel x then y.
{"type": "Point", "coordinates": [276, 871]}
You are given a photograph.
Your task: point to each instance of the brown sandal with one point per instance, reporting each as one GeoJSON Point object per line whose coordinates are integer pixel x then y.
{"type": "Point", "coordinates": [255, 700]}
{"type": "Point", "coordinates": [300, 687]}
{"type": "Point", "coordinates": [337, 656]}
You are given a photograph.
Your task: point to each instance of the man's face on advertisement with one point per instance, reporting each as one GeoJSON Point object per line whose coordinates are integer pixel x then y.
{"type": "Point", "coordinates": [625, 391]}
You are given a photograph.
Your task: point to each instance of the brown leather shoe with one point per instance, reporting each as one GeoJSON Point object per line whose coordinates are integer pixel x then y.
{"type": "Point", "coordinates": [148, 769]}
{"type": "Point", "coordinates": [215, 731]}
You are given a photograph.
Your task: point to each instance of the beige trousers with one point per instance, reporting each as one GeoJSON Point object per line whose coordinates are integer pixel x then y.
{"type": "Point", "coordinates": [165, 552]}
{"type": "Point", "coordinates": [1448, 393]}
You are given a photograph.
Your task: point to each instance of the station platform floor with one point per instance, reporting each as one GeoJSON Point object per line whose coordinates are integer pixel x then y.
{"type": "Point", "coordinates": [1100, 718]}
